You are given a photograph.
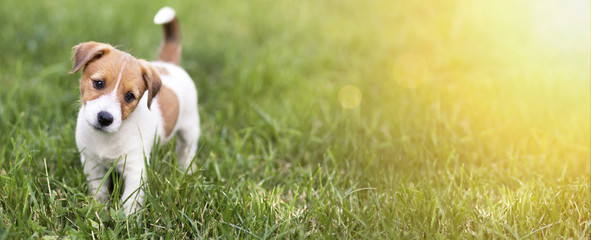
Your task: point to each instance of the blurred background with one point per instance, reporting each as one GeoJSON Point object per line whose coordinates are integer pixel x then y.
{"type": "Point", "coordinates": [498, 80]}
{"type": "Point", "coordinates": [501, 84]}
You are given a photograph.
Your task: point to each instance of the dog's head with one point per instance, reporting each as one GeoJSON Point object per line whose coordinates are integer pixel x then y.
{"type": "Point", "coordinates": [112, 84]}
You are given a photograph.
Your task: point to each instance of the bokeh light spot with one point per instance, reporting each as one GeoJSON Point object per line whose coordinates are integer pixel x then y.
{"type": "Point", "coordinates": [349, 96]}
{"type": "Point", "coordinates": [411, 70]}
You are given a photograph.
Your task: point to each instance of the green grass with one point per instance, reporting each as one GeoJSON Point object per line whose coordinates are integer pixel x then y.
{"type": "Point", "coordinates": [495, 143]}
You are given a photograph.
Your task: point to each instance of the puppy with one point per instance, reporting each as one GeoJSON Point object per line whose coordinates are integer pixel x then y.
{"type": "Point", "coordinates": [126, 104]}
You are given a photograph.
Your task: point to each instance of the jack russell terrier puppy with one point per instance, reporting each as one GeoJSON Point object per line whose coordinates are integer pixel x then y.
{"type": "Point", "coordinates": [126, 104]}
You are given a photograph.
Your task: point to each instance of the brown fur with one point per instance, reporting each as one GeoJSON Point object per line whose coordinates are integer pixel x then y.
{"type": "Point", "coordinates": [170, 49]}
{"type": "Point", "coordinates": [103, 62]}
{"type": "Point", "coordinates": [151, 80]}
{"type": "Point", "coordinates": [86, 52]}
{"type": "Point", "coordinates": [169, 105]}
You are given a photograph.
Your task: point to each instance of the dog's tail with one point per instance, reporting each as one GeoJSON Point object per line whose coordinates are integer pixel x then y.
{"type": "Point", "coordinates": [170, 49]}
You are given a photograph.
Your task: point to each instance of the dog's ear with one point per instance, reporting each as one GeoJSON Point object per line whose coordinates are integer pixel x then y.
{"type": "Point", "coordinates": [86, 52]}
{"type": "Point", "coordinates": [151, 79]}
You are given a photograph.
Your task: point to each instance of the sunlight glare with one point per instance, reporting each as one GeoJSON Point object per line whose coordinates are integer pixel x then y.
{"type": "Point", "coordinates": [564, 24]}
{"type": "Point", "coordinates": [349, 97]}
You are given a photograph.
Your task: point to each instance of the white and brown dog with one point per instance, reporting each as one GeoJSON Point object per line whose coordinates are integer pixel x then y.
{"type": "Point", "coordinates": [126, 104]}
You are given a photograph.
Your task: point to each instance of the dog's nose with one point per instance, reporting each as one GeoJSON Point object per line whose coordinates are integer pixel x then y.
{"type": "Point", "coordinates": [105, 118]}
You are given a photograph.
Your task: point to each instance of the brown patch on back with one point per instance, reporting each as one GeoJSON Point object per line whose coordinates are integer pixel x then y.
{"type": "Point", "coordinates": [161, 70]}
{"type": "Point", "coordinates": [169, 105]}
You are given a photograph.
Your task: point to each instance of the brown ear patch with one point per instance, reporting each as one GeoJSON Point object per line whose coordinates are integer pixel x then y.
{"type": "Point", "coordinates": [86, 52]}
{"type": "Point", "coordinates": [151, 79]}
{"type": "Point", "coordinates": [169, 106]}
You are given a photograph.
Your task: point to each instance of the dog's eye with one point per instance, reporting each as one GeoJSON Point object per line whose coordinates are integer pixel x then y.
{"type": "Point", "coordinates": [98, 84]}
{"type": "Point", "coordinates": [129, 97]}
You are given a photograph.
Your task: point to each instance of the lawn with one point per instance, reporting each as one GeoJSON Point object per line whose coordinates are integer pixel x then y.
{"type": "Point", "coordinates": [320, 119]}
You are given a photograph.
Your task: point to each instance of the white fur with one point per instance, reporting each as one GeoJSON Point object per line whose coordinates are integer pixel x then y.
{"type": "Point", "coordinates": [132, 140]}
{"type": "Point", "coordinates": [165, 15]}
{"type": "Point", "coordinates": [107, 103]}
{"type": "Point", "coordinates": [187, 127]}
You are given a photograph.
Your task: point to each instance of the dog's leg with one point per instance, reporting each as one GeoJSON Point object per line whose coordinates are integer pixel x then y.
{"type": "Point", "coordinates": [186, 150]}
{"type": "Point", "coordinates": [187, 146]}
{"type": "Point", "coordinates": [133, 194]}
{"type": "Point", "coordinates": [94, 176]}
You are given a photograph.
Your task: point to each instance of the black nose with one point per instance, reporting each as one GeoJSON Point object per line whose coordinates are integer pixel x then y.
{"type": "Point", "coordinates": [105, 118]}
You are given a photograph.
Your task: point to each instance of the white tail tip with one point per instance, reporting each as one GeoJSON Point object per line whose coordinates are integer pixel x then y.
{"type": "Point", "coordinates": [165, 15]}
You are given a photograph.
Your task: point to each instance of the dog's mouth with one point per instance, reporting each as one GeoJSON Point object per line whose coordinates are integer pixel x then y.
{"type": "Point", "coordinates": [99, 128]}
{"type": "Point", "coordinates": [102, 129]}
